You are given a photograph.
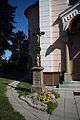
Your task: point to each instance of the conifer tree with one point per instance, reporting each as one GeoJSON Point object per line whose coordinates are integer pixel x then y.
{"type": "Point", "coordinates": [6, 25]}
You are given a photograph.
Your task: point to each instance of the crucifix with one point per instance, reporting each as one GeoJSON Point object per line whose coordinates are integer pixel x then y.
{"type": "Point", "coordinates": [38, 84]}
{"type": "Point", "coordinates": [38, 48]}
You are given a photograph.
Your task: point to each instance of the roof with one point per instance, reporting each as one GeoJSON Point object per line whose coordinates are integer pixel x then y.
{"type": "Point", "coordinates": [27, 9]}
{"type": "Point", "coordinates": [69, 9]}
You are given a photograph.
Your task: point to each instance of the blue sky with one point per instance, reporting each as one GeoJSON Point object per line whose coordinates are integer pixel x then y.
{"type": "Point", "coordinates": [20, 19]}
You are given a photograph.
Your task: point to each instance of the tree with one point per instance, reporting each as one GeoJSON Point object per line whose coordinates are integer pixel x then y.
{"type": "Point", "coordinates": [20, 50]}
{"type": "Point", "coordinates": [6, 25]}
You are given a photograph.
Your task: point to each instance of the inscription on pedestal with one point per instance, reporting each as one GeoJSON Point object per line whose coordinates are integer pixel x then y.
{"type": "Point", "coordinates": [37, 79]}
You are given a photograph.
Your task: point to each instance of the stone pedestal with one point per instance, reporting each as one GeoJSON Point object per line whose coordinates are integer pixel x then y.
{"type": "Point", "coordinates": [67, 77]}
{"type": "Point", "coordinates": [38, 85]}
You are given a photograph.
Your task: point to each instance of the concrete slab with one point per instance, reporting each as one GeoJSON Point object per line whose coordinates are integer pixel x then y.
{"type": "Point", "coordinates": [58, 117]}
{"type": "Point", "coordinates": [77, 99]}
{"type": "Point", "coordinates": [71, 118]}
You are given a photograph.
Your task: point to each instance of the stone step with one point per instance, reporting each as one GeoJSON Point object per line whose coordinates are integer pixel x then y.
{"type": "Point", "coordinates": [70, 84]}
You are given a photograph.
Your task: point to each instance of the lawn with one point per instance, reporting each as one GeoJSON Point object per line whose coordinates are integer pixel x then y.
{"type": "Point", "coordinates": [6, 110]}
{"type": "Point", "coordinates": [24, 88]}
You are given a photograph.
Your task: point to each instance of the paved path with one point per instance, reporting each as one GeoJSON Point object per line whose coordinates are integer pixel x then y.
{"type": "Point", "coordinates": [68, 108]}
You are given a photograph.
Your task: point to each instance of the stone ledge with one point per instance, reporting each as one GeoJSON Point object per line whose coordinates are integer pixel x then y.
{"type": "Point", "coordinates": [37, 68]}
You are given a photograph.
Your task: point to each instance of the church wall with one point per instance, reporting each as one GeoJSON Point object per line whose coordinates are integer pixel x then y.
{"type": "Point", "coordinates": [57, 37]}
{"type": "Point", "coordinates": [52, 43]}
{"type": "Point", "coordinates": [45, 40]}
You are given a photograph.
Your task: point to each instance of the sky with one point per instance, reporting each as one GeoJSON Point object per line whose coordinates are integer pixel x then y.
{"type": "Point", "coordinates": [20, 19]}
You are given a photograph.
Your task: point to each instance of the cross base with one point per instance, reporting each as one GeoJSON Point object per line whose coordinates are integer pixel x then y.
{"type": "Point", "coordinates": [38, 85]}
{"type": "Point", "coordinates": [37, 89]}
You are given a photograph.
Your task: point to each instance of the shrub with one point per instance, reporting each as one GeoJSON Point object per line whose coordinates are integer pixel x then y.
{"type": "Point", "coordinates": [56, 94]}
{"type": "Point", "coordinates": [51, 106]}
{"type": "Point", "coordinates": [46, 96]}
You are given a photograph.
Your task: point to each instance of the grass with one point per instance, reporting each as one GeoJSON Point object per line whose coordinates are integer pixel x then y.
{"type": "Point", "coordinates": [24, 88]}
{"type": "Point", "coordinates": [6, 110]}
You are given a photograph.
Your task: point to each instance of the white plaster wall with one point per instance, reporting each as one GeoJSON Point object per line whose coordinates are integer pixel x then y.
{"type": "Point", "coordinates": [58, 51]}
{"type": "Point", "coordinates": [45, 41]}
{"type": "Point", "coordinates": [52, 42]}
{"type": "Point", "coordinates": [52, 53]}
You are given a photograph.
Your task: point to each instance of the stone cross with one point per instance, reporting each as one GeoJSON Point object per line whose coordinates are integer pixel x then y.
{"type": "Point", "coordinates": [38, 48]}
{"type": "Point", "coordinates": [38, 84]}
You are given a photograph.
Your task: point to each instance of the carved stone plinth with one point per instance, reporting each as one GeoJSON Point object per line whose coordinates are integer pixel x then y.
{"type": "Point", "coordinates": [38, 85]}
{"type": "Point", "coordinates": [67, 77]}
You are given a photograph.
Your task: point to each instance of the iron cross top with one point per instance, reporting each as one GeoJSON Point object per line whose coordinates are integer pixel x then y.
{"type": "Point", "coordinates": [38, 34]}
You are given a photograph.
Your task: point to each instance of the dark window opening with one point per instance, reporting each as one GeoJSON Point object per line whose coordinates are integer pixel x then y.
{"type": "Point", "coordinates": [71, 2]}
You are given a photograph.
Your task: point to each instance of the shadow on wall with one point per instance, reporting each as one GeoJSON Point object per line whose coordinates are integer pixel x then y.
{"type": "Point", "coordinates": [58, 44]}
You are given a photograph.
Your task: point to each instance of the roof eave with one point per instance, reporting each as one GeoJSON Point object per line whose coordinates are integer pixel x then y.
{"type": "Point", "coordinates": [31, 6]}
{"type": "Point", "coordinates": [69, 9]}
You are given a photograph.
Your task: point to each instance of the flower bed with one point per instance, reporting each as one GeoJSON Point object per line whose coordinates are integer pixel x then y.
{"type": "Point", "coordinates": [45, 101]}
{"type": "Point", "coordinates": [46, 96]}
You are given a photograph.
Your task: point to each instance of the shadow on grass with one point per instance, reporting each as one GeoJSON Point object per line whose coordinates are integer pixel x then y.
{"type": "Point", "coordinates": [18, 76]}
{"type": "Point", "coordinates": [23, 89]}
{"type": "Point", "coordinates": [18, 88]}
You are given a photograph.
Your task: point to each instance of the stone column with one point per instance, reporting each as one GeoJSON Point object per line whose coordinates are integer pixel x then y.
{"type": "Point", "coordinates": [68, 74]}
{"type": "Point", "coordinates": [67, 60]}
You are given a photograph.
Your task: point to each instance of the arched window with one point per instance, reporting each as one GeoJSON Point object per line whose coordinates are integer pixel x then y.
{"type": "Point", "coordinates": [74, 27]}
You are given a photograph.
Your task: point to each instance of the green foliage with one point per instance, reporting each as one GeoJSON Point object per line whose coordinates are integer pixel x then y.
{"type": "Point", "coordinates": [6, 111]}
{"type": "Point", "coordinates": [4, 65]}
{"type": "Point", "coordinates": [6, 25]}
{"type": "Point", "coordinates": [56, 94]}
{"type": "Point", "coordinates": [20, 51]}
{"type": "Point", "coordinates": [51, 106]}
{"type": "Point", "coordinates": [24, 88]}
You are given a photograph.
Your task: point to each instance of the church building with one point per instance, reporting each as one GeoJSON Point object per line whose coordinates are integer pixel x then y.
{"type": "Point", "coordinates": [60, 45]}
